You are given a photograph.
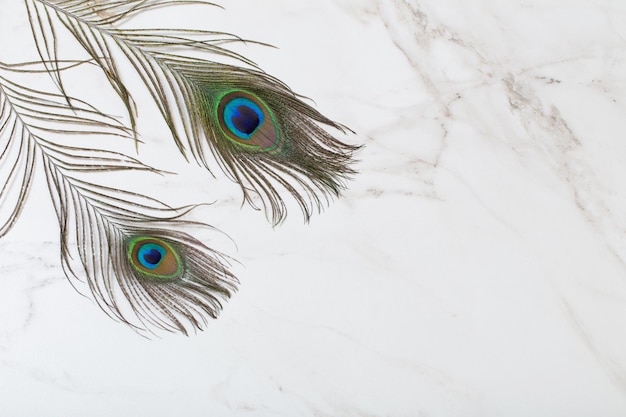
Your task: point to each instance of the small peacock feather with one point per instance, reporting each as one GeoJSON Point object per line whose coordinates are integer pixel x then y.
{"type": "Point", "coordinates": [140, 267]}
{"type": "Point", "coordinates": [169, 279]}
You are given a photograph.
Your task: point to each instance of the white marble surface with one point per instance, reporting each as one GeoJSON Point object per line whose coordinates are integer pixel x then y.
{"type": "Point", "coordinates": [475, 267]}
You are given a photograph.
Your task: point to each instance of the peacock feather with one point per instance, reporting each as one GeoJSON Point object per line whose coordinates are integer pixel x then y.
{"type": "Point", "coordinates": [140, 264]}
{"type": "Point", "coordinates": [131, 251]}
{"type": "Point", "coordinates": [261, 134]}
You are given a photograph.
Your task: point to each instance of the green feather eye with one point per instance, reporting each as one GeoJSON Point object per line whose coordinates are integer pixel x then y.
{"type": "Point", "coordinates": [246, 120]}
{"type": "Point", "coordinates": [155, 257]}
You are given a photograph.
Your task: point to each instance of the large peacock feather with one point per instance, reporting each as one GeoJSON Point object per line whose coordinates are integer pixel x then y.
{"type": "Point", "coordinates": [130, 250]}
{"type": "Point", "coordinates": [261, 133]}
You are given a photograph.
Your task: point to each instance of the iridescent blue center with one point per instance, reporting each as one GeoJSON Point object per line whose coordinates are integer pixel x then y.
{"type": "Point", "coordinates": [150, 255]}
{"type": "Point", "coordinates": [243, 117]}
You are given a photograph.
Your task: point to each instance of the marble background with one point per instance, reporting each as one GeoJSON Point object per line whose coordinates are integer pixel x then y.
{"type": "Point", "coordinates": [475, 267]}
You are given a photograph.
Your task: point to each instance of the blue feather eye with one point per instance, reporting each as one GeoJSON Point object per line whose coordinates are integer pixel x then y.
{"type": "Point", "coordinates": [245, 119]}
{"type": "Point", "coordinates": [150, 255]}
{"type": "Point", "coordinates": [154, 257]}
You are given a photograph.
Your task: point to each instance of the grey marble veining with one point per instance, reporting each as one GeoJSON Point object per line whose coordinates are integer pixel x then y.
{"type": "Point", "coordinates": [475, 267]}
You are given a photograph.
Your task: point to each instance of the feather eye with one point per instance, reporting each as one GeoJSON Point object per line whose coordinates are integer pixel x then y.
{"type": "Point", "coordinates": [154, 258]}
{"type": "Point", "coordinates": [246, 120]}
